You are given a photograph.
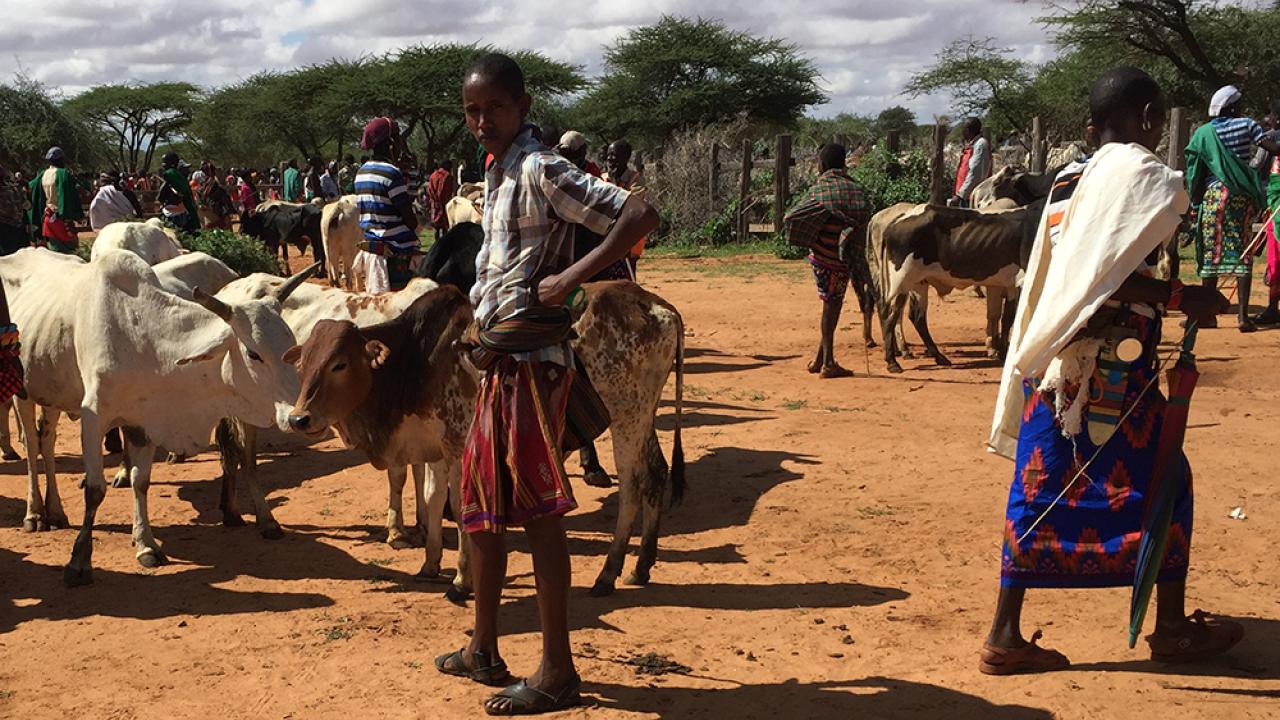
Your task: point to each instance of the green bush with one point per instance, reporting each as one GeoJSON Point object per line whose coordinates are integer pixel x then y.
{"type": "Point", "coordinates": [886, 180]}
{"type": "Point", "coordinates": [241, 253]}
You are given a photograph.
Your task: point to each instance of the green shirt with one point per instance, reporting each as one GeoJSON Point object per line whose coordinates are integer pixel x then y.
{"type": "Point", "coordinates": [292, 185]}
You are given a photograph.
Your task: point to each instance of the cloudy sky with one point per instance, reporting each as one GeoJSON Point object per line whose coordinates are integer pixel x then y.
{"type": "Point", "coordinates": [865, 49]}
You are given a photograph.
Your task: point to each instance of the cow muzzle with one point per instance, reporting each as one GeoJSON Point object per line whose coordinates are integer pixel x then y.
{"type": "Point", "coordinates": [302, 423]}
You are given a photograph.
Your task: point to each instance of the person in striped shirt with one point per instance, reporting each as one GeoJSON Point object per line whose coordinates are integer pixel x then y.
{"type": "Point", "coordinates": [385, 204]}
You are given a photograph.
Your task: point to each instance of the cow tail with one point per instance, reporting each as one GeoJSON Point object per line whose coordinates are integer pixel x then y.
{"type": "Point", "coordinates": [677, 450]}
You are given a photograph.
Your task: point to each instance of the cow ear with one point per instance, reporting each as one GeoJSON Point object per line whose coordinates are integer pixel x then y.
{"type": "Point", "coordinates": [377, 352]}
{"type": "Point", "coordinates": [292, 355]}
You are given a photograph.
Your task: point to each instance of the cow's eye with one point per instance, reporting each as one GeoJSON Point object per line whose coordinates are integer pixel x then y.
{"type": "Point", "coordinates": [340, 367]}
{"type": "Point", "coordinates": [253, 355]}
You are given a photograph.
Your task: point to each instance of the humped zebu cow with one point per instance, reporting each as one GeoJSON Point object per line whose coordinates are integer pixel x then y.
{"type": "Point", "coordinates": [402, 392]}
{"type": "Point", "coordinates": [339, 233]}
{"type": "Point", "coordinates": [148, 240]}
{"type": "Point", "coordinates": [105, 342]}
{"type": "Point", "coordinates": [183, 274]}
{"type": "Point", "coordinates": [279, 224]}
{"type": "Point", "coordinates": [237, 441]}
{"type": "Point", "coordinates": [467, 205]}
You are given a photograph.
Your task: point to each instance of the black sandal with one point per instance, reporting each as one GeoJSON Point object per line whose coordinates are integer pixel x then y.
{"type": "Point", "coordinates": [492, 674]}
{"type": "Point", "coordinates": [524, 700]}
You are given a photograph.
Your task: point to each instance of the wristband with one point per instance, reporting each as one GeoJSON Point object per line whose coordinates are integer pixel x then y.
{"type": "Point", "coordinates": [1175, 295]}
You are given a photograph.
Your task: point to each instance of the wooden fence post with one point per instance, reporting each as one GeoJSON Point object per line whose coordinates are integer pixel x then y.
{"type": "Point", "coordinates": [713, 185]}
{"type": "Point", "coordinates": [938, 193]}
{"type": "Point", "coordinates": [1178, 137]}
{"type": "Point", "coordinates": [893, 141]}
{"type": "Point", "coordinates": [781, 180]}
{"type": "Point", "coordinates": [744, 192]}
{"type": "Point", "coordinates": [1038, 149]}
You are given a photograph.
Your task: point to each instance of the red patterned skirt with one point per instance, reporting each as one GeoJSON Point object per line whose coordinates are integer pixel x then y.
{"type": "Point", "coordinates": [512, 467]}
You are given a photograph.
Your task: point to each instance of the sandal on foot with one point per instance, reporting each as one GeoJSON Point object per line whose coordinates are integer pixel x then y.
{"type": "Point", "coordinates": [1030, 658]}
{"type": "Point", "coordinates": [834, 371]}
{"type": "Point", "coordinates": [520, 699]}
{"type": "Point", "coordinates": [1203, 638]}
{"type": "Point", "coordinates": [493, 674]}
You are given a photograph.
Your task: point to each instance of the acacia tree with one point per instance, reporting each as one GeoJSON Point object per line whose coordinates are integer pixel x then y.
{"type": "Point", "coordinates": [681, 73]}
{"type": "Point", "coordinates": [135, 117]}
{"type": "Point", "coordinates": [983, 80]}
{"type": "Point", "coordinates": [33, 122]}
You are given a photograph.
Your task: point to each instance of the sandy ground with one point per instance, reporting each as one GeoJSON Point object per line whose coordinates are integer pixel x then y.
{"type": "Point", "coordinates": [836, 557]}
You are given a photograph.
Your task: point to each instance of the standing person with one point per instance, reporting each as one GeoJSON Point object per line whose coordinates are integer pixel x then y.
{"type": "Point", "coordinates": [573, 146]}
{"type": "Point", "coordinates": [347, 175]}
{"type": "Point", "coordinates": [513, 471]}
{"type": "Point", "coordinates": [618, 172]}
{"type": "Point", "coordinates": [311, 180]}
{"type": "Point", "coordinates": [216, 201]}
{"type": "Point", "coordinates": [110, 204]}
{"type": "Point", "coordinates": [1226, 195]}
{"type": "Point", "coordinates": [291, 181]}
{"type": "Point", "coordinates": [386, 207]}
{"type": "Point", "coordinates": [975, 162]}
{"type": "Point", "coordinates": [831, 211]}
{"type": "Point", "coordinates": [1268, 164]}
{"type": "Point", "coordinates": [175, 180]}
{"type": "Point", "coordinates": [329, 183]}
{"type": "Point", "coordinates": [55, 204]}
{"type": "Point", "coordinates": [441, 187]}
{"type": "Point", "coordinates": [246, 193]}
{"type": "Point", "coordinates": [11, 374]}
{"type": "Point", "coordinates": [1089, 294]}
{"type": "Point", "coordinates": [13, 208]}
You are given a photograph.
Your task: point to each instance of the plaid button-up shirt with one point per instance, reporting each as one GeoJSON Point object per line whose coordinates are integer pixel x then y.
{"type": "Point", "coordinates": [533, 197]}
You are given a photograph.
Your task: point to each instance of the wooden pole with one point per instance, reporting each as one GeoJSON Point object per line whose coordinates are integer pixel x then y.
{"type": "Point", "coordinates": [893, 141]}
{"type": "Point", "coordinates": [713, 185]}
{"type": "Point", "coordinates": [1037, 145]}
{"type": "Point", "coordinates": [781, 180]}
{"type": "Point", "coordinates": [744, 192]}
{"type": "Point", "coordinates": [938, 193]}
{"type": "Point", "coordinates": [1178, 137]}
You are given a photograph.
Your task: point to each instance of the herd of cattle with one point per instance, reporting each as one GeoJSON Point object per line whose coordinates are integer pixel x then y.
{"type": "Point", "coordinates": [114, 340]}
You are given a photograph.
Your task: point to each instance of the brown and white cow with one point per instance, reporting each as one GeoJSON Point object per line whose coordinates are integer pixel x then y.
{"type": "Point", "coordinates": [913, 247]}
{"type": "Point", "coordinates": [403, 393]}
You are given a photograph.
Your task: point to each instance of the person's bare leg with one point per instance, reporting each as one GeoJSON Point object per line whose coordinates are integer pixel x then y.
{"type": "Point", "coordinates": [488, 575]}
{"type": "Point", "coordinates": [1171, 606]}
{"type": "Point", "coordinates": [1006, 628]}
{"type": "Point", "coordinates": [1245, 289]}
{"type": "Point", "coordinates": [552, 574]}
{"type": "Point", "coordinates": [830, 319]}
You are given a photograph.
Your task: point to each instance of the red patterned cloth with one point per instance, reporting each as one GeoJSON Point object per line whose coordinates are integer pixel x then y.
{"type": "Point", "coordinates": [512, 467]}
{"type": "Point", "coordinates": [10, 364]}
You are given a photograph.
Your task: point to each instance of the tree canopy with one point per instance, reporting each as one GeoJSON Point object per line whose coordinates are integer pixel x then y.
{"type": "Point", "coordinates": [34, 122]}
{"type": "Point", "coordinates": [134, 118]}
{"type": "Point", "coordinates": [680, 73]}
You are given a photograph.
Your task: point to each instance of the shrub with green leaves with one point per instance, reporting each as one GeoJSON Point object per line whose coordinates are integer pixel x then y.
{"type": "Point", "coordinates": [886, 178]}
{"type": "Point", "coordinates": [241, 253]}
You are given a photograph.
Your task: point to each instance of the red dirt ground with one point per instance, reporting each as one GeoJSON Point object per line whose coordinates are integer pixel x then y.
{"type": "Point", "coordinates": [836, 557]}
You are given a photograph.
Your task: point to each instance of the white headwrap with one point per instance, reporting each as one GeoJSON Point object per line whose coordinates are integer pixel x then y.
{"type": "Point", "coordinates": [1224, 97]}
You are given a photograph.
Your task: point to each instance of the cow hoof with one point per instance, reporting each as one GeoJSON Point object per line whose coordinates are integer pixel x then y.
{"type": "Point", "coordinates": [271, 532]}
{"type": "Point", "coordinates": [456, 595]}
{"type": "Point", "coordinates": [75, 577]}
{"type": "Point", "coordinates": [232, 519]}
{"type": "Point", "coordinates": [56, 521]}
{"type": "Point", "coordinates": [894, 368]}
{"type": "Point", "coordinates": [176, 458]}
{"type": "Point", "coordinates": [942, 360]}
{"type": "Point", "coordinates": [428, 573]}
{"type": "Point", "coordinates": [992, 353]}
{"type": "Point", "coordinates": [30, 525]}
{"type": "Point", "coordinates": [10, 456]}
{"type": "Point", "coordinates": [121, 480]}
{"type": "Point", "coordinates": [908, 354]}
{"type": "Point", "coordinates": [151, 559]}
{"type": "Point", "coordinates": [871, 345]}
{"type": "Point", "coordinates": [597, 479]}
{"type": "Point", "coordinates": [400, 542]}
{"type": "Point", "coordinates": [637, 578]}
{"type": "Point", "coordinates": [602, 588]}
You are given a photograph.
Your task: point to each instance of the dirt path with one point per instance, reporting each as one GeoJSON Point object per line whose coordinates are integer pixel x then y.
{"type": "Point", "coordinates": [836, 557]}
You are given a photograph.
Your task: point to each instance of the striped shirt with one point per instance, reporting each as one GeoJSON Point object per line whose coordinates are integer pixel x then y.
{"type": "Point", "coordinates": [380, 193]}
{"type": "Point", "coordinates": [533, 198]}
{"type": "Point", "coordinates": [1240, 135]}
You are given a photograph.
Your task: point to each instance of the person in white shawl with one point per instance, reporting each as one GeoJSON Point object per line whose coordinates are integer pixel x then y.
{"type": "Point", "coordinates": [1078, 385]}
{"type": "Point", "coordinates": [110, 204]}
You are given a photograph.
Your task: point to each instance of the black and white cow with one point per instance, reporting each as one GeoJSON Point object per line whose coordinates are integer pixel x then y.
{"type": "Point", "coordinates": [279, 224]}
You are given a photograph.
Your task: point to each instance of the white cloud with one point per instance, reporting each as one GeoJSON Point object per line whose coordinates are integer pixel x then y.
{"type": "Point", "coordinates": [866, 50]}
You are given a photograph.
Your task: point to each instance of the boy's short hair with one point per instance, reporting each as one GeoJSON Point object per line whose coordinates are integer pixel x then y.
{"type": "Point", "coordinates": [500, 69]}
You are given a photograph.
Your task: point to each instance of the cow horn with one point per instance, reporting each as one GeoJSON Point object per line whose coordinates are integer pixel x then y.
{"type": "Point", "coordinates": [211, 303]}
{"type": "Point", "coordinates": [284, 291]}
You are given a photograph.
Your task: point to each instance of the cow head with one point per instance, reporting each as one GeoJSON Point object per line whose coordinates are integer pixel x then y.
{"type": "Point", "coordinates": [265, 385]}
{"type": "Point", "coordinates": [336, 367]}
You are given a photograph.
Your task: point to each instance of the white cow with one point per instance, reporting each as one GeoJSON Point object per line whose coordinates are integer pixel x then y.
{"type": "Point", "coordinates": [340, 231]}
{"type": "Point", "coordinates": [183, 274]}
{"type": "Point", "coordinates": [106, 342]}
{"type": "Point", "coordinates": [149, 240]}
{"type": "Point", "coordinates": [467, 205]}
{"type": "Point", "coordinates": [308, 305]}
